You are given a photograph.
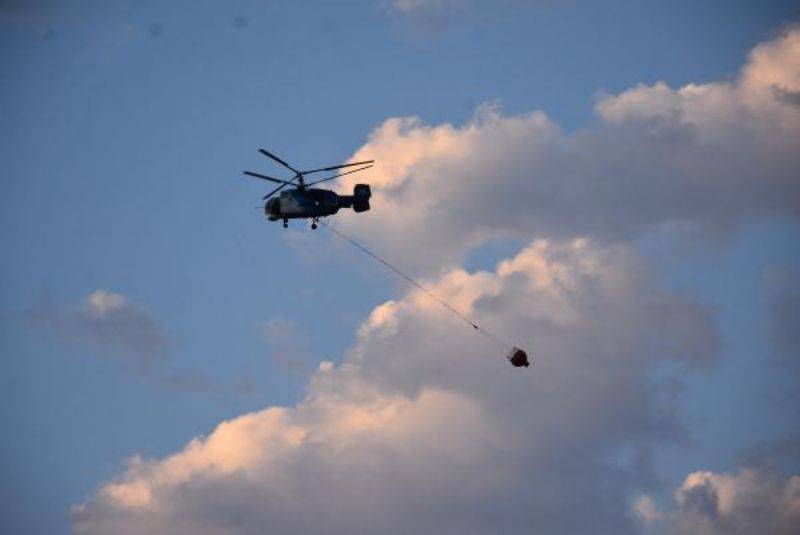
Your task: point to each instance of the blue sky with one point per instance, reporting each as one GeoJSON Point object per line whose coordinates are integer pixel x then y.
{"type": "Point", "coordinates": [126, 128]}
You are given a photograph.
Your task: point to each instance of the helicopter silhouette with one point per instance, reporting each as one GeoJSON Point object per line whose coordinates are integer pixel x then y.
{"type": "Point", "coordinates": [304, 202]}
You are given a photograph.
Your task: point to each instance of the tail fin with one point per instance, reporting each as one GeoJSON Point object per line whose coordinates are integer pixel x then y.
{"type": "Point", "coordinates": [361, 195]}
{"type": "Point", "coordinates": [359, 200]}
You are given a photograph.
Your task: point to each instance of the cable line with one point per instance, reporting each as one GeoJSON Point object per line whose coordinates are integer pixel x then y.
{"type": "Point", "coordinates": [461, 316]}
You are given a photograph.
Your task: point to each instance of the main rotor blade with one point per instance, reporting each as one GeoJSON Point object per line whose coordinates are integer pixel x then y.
{"type": "Point", "coordinates": [340, 174]}
{"type": "Point", "coordinates": [337, 167]}
{"type": "Point", "coordinates": [269, 155]}
{"type": "Point", "coordinates": [273, 192]}
{"type": "Point", "coordinates": [270, 178]}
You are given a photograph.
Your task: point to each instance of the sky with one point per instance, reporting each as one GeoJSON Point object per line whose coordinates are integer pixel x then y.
{"type": "Point", "coordinates": [611, 185]}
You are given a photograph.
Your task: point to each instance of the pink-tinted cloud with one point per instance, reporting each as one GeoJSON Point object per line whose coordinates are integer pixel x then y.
{"type": "Point", "coordinates": [424, 427]}
{"type": "Point", "coordinates": [424, 424]}
{"type": "Point", "coordinates": [704, 156]}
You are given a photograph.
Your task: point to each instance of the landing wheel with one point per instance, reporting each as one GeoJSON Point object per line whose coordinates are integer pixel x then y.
{"type": "Point", "coordinates": [313, 225]}
{"type": "Point", "coordinates": [285, 223]}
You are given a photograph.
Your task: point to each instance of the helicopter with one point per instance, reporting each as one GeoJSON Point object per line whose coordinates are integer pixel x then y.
{"type": "Point", "coordinates": [304, 202]}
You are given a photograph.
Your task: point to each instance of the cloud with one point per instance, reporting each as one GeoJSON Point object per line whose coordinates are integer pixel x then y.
{"type": "Point", "coordinates": [646, 510]}
{"type": "Point", "coordinates": [429, 16]}
{"type": "Point", "coordinates": [750, 501]}
{"type": "Point", "coordinates": [405, 6]}
{"type": "Point", "coordinates": [705, 156]}
{"type": "Point", "coordinates": [108, 323]}
{"type": "Point", "coordinates": [424, 427]}
{"type": "Point", "coordinates": [424, 424]}
{"type": "Point", "coordinates": [427, 7]}
{"type": "Point", "coordinates": [788, 97]}
{"type": "Point", "coordinates": [433, 16]}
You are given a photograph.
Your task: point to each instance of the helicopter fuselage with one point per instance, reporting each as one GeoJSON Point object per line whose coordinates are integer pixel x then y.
{"type": "Point", "coordinates": [302, 203]}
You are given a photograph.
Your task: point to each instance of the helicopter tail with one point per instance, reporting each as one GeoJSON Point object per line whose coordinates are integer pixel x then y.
{"type": "Point", "coordinates": [359, 200]}
{"type": "Point", "coordinates": [361, 195]}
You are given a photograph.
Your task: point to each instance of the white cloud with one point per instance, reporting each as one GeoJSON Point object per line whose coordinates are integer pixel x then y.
{"type": "Point", "coordinates": [101, 303]}
{"type": "Point", "coordinates": [480, 7]}
{"type": "Point", "coordinates": [402, 434]}
{"type": "Point", "coordinates": [710, 156]}
{"type": "Point", "coordinates": [424, 427]}
{"type": "Point", "coordinates": [431, 17]}
{"type": "Point", "coordinates": [646, 510]}
{"type": "Point", "coordinates": [412, 5]}
{"type": "Point", "coordinates": [750, 501]}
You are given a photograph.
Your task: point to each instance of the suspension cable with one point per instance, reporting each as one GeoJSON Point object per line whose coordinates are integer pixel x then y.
{"type": "Point", "coordinates": [410, 280]}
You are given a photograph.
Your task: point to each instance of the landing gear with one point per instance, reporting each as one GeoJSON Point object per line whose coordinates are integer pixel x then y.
{"type": "Point", "coordinates": [285, 223]}
{"type": "Point", "coordinates": [314, 224]}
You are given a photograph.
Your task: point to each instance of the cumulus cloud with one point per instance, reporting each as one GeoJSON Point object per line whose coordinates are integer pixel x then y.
{"type": "Point", "coordinates": [708, 156]}
{"type": "Point", "coordinates": [750, 501]}
{"type": "Point", "coordinates": [423, 427]}
{"type": "Point", "coordinates": [424, 424]}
